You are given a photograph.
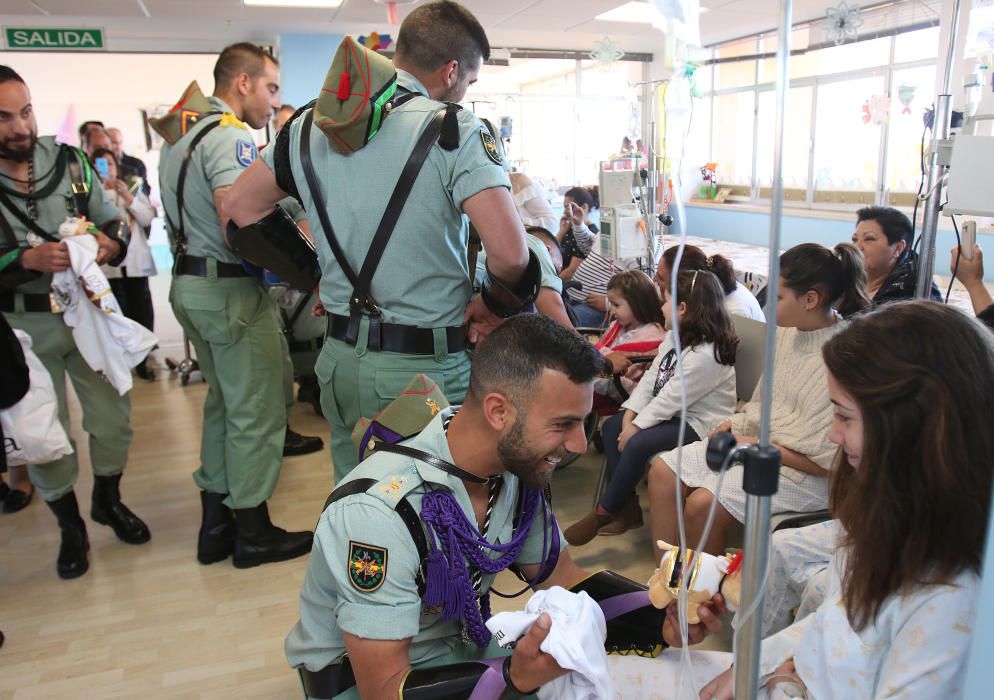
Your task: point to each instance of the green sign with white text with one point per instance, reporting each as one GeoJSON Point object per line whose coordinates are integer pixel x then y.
{"type": "Point", "coordinates": [48, 39]}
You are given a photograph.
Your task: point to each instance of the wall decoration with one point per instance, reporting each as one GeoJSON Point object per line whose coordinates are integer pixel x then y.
{"type": "Point", "coordinates": [606, 53]}
{"type": "Point", "coordinates": [876, 109]}
{"type": "Point", "coordinates": [842, 23]}
{"type": "Point", "coordinates": [376, 42]}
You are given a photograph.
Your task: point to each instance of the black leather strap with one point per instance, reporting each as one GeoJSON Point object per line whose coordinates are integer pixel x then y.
{"type": "Point", "coordinates": [26, 220]}
{"type": "Point", "coordinates": [329, 681]}
{"type": "Point", "coordinates": [431, 459]}
{"type": "Point", "coordinates": [198, 267]}
{"type": "Point", "coordinates": [395, 337]}
{"type": "Point", "coordinates": [34, 303]}
{"type": "Point", "coordinates": [282, 169]}
{"type": "Point", "coordinates": [180, 233]}
{"type": "Point", "coordinates": [80, 183]}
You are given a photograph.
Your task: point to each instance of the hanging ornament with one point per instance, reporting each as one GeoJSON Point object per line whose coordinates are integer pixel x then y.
{"type": "Point", "coordinates": [392, 18]}
{"type": "Point", "coordinates": [842, 22]}
{"type": "Point", "coordinates": [606, 53]}
{"type": "Point", "coordinates": [906, 95]}
{"type": "Point", "coordinates": [876, 109]}
{"type": "Point", "coordinates": [376, 42]}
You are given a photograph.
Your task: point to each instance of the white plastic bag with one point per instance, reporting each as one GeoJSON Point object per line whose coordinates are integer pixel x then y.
{"type": "Point", "coordinates": [31, 429]}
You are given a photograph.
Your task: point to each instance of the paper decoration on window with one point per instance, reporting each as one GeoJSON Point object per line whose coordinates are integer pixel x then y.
{"type": "Point", "coordinates": [906, 95]}
{"type": "Point", "coordinates": [876, 110]}
{"type": "Point", "coordinates": [606, 53]}
{"type": "Point", "coordinates": [376, 42]}
{"type": "Point", "coordinates": [842, 23]}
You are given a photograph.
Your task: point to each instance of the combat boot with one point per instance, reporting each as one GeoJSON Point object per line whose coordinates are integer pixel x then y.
{"type": "Point", "coordinates": [106, 508]}
{"type": "Point", "coordinates": [216, 540]}
{"type": "Point", "coordinates": [258, 541]}
{"type": "Point", "coordinates": [72, 561]}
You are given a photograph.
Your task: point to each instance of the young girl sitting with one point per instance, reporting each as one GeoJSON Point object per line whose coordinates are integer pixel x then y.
{"type": "Point", "coordinates": [816, 286]}
{"type": "Point", "coordinates": [912, 490]}
{"type": "Point", "coordinates": [651, 419]}
{"type": "Point", "coordinates": [638, 327]}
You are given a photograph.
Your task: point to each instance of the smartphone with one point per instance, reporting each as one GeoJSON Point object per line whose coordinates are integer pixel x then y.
{"type": "Point", "coordinates": [101, 165]}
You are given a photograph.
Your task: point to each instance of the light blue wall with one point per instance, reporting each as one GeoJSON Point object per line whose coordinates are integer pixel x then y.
{"type": "Point", "coordinates": [754, 227]}
{"type": "Point", "coordinates": [304, 62]}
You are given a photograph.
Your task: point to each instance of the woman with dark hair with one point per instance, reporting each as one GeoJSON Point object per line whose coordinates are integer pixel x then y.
{"type": "Point", "coordinates": [817, 288]}
{"type": "Point", "coordinates": [739, 301]}
{"type": "Point", "coordinates": [912, 489]}
{"type": "Point", "coordinates": [884, 237]}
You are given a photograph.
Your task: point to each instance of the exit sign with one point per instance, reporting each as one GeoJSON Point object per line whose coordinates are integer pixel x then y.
{"type": "Point", "coordinates": [47, 39]}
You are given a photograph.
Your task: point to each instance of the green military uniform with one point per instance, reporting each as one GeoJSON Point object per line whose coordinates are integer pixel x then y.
{"type": "Point", "coordinates": [422, 280]}
{"type": "Point", "coordinates": [550, 278]}
{"type": "Point", "coordinates": [334, 600]}
{"type": "Point", "coordinates": [231, 322]}
{"type": "Point", "coordinates": [105, 412]}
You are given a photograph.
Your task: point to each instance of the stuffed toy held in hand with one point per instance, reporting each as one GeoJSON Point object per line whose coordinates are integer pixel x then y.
{"type": "Point", "coordinates": [710, 575]}
{"type": "Point", "coordinates": [77, 226]}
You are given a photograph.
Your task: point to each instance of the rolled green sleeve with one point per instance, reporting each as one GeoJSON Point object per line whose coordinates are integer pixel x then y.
{"type": "Point", "coordinates": [227, 151]}
{"type": "Point", "coordinates": [474, 171]}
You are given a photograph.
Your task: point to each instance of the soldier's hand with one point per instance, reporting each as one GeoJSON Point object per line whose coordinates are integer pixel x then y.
{"type": "Point", "coordinates": [48, 257]}
{"type": "Point", "coordinates": [480, 320]}
{"type": "Point", "coordinates": [108, 248]}
{"type": "Point", "coordinates": [709, 624]}
{"type": "Point", "coordinates": [318, 310]}
{"type": "Point", "coordinates": [530, 666]}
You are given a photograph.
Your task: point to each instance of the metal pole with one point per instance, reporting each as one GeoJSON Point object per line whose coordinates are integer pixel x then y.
{"type": "Point", "coordinates": [757, 533]}
{"type": "Point", "coordinates": [941, 118]}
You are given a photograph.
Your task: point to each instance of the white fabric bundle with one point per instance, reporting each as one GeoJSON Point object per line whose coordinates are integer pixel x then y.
{"type": "Point", "coordinates": [110, 342]}
{"type": "Point", "coordinates": [575, 641]}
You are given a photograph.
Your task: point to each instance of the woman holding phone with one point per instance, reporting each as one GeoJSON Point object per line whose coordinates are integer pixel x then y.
{"type": "Point", "coordinates": [130, 280]}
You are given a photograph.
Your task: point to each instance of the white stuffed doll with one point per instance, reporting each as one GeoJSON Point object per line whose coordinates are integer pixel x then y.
{"type": "Point", "coordinates": [710, 575]}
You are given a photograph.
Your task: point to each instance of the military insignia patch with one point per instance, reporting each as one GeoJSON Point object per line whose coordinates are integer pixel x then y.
{"type": "Point", "coordinates": [367, 566]}
{"type": "Point", "coordinates": [490, 146]}
{"type": "Point", "coordinates": [245, 152]}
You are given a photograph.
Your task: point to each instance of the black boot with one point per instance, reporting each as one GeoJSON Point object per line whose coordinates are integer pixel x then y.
{"type": "Point", "coordinates": [107, 509]}
{"type": "Point", "coordinates": [310, 392]}
{"type": "Point", "coordinates": [72, 562]}
{"type": "Point", "coordinates": [216, 540]}
{"type": "Point", "coordinates": [258, 541]}
{"type": "Point", "coordinates": [296, 444]}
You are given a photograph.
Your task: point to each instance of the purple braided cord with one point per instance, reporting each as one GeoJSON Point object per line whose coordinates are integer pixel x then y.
{"type": "Point", "coordinates": [447, 580]}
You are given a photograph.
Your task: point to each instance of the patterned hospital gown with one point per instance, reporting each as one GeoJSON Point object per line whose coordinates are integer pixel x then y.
{"type": "Point", "coordinates": [799, 573]}
{"type": "Point", "coordinates": [916, 649]}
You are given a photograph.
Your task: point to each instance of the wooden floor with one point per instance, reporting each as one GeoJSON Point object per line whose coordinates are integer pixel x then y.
{"type": "Point", "coordinates": [149, 621]}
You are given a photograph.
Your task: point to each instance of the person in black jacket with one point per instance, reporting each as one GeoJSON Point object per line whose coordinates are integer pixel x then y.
{"type": "Point", "coordinates": [884, 235]}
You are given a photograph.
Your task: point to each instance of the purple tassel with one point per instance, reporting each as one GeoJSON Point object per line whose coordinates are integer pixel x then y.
{"type": "Point", "coordinates": [436, 579]}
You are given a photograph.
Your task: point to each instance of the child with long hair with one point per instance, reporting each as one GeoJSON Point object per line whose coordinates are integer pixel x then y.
{"type": "Point", "coordinates": [637, 327]}
{"type": "Point", "coordinates": [817, 287]}
{"type": "Point", "coordinates": [650, 422]}
{"type": "Point", "coordinates": [914, 437]}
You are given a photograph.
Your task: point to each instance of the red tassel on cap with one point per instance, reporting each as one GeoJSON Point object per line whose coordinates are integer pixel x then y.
{"type": "Point", "coordinates": [344, 86]}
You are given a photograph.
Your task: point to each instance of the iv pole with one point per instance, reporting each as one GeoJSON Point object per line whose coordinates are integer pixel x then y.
{"type": "Point", "coordinates": [941, 118]}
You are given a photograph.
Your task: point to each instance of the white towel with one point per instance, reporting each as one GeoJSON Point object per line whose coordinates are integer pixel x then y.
{"type": "Point", "coordinates": [110, 342]}
{"type": "Point", "coordinates": [575, 641]}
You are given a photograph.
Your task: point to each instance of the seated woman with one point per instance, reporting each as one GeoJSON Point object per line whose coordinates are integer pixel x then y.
{"type": "Point", "coordinates": [884, 236]}
{"type": "Point", "coordinates": [530, 202]}
{"type": "Point", "coordinates": [739, 301]}
{"type": "Point", "coordinates": [816, 286]}
{"type": "Point", "coordinates": [650, 421]}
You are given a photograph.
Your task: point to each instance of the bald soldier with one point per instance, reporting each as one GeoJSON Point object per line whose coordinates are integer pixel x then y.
{"type": "Point", "coordinates": [226, 312]}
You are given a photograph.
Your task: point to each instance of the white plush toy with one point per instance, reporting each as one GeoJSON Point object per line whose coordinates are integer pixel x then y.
{"type": "Point", "coordinates": [710, 575]}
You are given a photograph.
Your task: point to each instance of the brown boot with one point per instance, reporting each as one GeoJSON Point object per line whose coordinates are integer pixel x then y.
{"type": "Point", "coordinates": [628, 518]}
{"type": "Point", "coordinates": [585, 529]}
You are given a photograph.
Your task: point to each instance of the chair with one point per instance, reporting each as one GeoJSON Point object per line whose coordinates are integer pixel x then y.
{"type": "Point", "coordinates": [749, 355]}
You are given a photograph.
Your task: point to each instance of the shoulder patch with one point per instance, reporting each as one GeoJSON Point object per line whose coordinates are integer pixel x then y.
{"type": "Point", "coordinates": [367, 566]}
{"type": "Point", "coordinates": [490, 146]}
{"type": "Point", "coordinates": [245, 152]}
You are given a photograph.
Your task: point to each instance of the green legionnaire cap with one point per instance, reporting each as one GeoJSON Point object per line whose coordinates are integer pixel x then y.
{"type": "Point", "coordinates": [189, 110]}
{"type": "Point", "coordinates": [354, 96]}
{"type": "Point", "coordinates": [404, 417]}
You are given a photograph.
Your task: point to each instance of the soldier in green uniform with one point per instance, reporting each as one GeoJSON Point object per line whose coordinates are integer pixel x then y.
{"type": "Point", "coordinates": [41, 183]}
{"type": "Point", "coordinates": [384, 612]}
{"type": "Point", "coordinates": [422, 289]}
{"type": "Point", "coordinates": [226, 312]}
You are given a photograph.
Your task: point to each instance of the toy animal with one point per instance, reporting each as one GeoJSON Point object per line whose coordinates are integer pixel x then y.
{"type": "Point", "coordinates": [710, 575]}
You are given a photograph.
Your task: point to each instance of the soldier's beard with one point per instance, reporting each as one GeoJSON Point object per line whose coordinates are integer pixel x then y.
{"type": "Point", "coordinates": [19, 150]}
{"type": "Point", "coordinates": [529, 466]}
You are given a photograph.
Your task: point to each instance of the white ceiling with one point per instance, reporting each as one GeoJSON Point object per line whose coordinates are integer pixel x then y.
{"type": "Point", "coordinates": [208, 25]}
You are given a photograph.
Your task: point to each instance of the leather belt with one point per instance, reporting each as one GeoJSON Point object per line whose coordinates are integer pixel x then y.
{"type": "Point", "coordinates": [395, 337]}
{"type": "Point", "coordinates": [197, 266]}
{"type": "Point", "coordinates": [35, 303]}
{"type": "Point", "coordinates": [329, 681]}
